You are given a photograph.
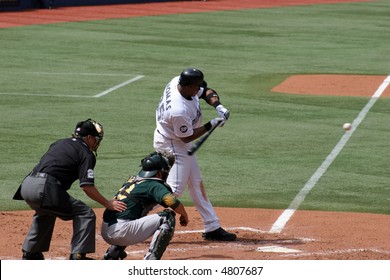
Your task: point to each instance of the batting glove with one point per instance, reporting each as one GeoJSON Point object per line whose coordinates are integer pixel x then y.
{"type": "Point", "coordinates": [223, 112]}
{"type": "Point", "coordinates": [217, 122]}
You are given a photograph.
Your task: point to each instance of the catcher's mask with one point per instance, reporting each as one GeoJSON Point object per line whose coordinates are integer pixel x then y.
{"type": "Point", "coordinates": [154, 163]}
{"type": "Point", "coordinates": [89, 127]}
{"type": "Point", "coordinates": [191, 76]}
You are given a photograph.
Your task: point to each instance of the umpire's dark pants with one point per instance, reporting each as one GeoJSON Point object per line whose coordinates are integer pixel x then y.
{"type": "Point", "coordinates": [48, 207]}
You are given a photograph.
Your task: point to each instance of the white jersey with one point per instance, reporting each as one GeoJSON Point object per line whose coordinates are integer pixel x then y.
{"type": "Point", "coordinates": [176, 116]}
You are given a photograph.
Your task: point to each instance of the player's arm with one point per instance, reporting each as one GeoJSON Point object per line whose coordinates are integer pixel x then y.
{"type": "Point", "coordinates": [183, 214]}
{"type": "Point", "coordinates": [171, 201]}
{"type": "Point", "coordinates": [183, 127]}
{"type": "Point", "coordinates": [198, 132]}
{"type": "Point", "coordinates": [212, 98]}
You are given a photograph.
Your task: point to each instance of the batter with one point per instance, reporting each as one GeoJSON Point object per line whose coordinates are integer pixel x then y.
{"type": "Point", "coordinates": [178, 123]}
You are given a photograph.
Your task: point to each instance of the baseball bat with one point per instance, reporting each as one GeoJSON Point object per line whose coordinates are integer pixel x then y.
{"type": "Point", "coordinates": [203, 139]}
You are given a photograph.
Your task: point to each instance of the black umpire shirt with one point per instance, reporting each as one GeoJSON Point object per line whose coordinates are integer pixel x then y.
{"type": "Point", "coordinates": [68, 160]}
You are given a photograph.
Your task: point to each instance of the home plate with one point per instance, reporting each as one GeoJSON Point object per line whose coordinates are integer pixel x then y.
{"type": "Point", "coordinates": [276, 249]}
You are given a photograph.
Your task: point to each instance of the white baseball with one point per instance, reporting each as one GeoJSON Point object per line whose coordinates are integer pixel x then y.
{"type": "Point", "coordinates": [347, 126]}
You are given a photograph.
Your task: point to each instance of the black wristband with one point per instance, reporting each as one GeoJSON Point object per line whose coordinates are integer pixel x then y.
{"type": "Point", "coordinates": [208, 126]}
{"type": "Point", "coordinates": [211, 95]}
{"type": "Point", "coordinates": [216, 104]}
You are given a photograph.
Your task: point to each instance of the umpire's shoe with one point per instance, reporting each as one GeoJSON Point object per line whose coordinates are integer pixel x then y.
{"type": "Point", "coordinates": [32, 256]}
{"type": "Point", "coordinates": [219, 235]}
{"type": "Point", "coordinates": [79, 256]}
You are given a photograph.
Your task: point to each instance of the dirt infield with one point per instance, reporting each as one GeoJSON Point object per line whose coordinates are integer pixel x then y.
{"type": "Point", "coordinates": [86, 13]}
{"type": "Point", "coordinates": [309, 235]}
{"type": "Point", "coordinates": [341, 85]}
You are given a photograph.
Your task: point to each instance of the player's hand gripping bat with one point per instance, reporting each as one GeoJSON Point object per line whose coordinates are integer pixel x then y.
{"type": "Point", "coordinates": [197, 145]}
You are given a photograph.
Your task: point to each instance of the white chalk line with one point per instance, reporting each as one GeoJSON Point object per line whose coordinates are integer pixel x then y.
{"type": "Point", "coordinates": [276, 249]}
{"type": "Point", "coordinates": [337, 252]}
{"type": "Point", "coordinates": [78, 74]}
{"type": "Point", "coordinates": [44, 94]}
{"type": "Point", "coordinates": [118, 86]}
{"type": "Point", "coordinates": [283, 219]}
{"type": "Point", "coordinates": [103, 93]}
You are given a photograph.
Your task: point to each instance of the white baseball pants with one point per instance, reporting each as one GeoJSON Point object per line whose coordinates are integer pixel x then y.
{"type": "Point", "coordinates": [185, 172]}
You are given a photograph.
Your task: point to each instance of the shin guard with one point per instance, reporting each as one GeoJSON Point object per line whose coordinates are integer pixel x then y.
{"type": "Point", "coordinates": [162, 236]}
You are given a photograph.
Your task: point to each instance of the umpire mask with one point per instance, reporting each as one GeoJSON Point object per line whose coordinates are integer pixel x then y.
{"type": "Point", "coordinates": [90, 127]}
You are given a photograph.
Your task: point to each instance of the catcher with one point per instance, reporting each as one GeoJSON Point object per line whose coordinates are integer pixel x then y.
{"type": "Point", "coordinates": [141, 194]}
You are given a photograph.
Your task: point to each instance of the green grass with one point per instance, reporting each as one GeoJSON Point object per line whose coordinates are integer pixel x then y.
{"type": "Point", "coordinates": [273, 142]}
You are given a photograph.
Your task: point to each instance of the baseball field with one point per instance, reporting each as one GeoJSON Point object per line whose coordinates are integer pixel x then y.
{"type": "Point", "coordinates": [282, 173]}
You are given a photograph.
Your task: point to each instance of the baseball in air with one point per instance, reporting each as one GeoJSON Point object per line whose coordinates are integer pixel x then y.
{"type": "Point", "coordinates": [347, 126]}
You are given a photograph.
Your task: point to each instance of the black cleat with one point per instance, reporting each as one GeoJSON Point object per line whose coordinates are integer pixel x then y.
{"type": "Point", "coordinates": [122, 255]}
{"type": "Point", "coordinates": [32, 256]}
{"type": "Point", "coordinates": [219, 235]}
{"type": "Point", "coordinates": [115, 252]}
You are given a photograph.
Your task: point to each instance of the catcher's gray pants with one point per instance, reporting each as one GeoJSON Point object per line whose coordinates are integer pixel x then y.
{"type": "Point", "coordinates": [40, 234]}
{"type": "Point", "coordinates": [127, 232]}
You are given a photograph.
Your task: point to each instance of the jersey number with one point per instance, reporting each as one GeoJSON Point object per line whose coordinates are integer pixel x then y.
{"type": "Point", "coordinates": [126, 188]}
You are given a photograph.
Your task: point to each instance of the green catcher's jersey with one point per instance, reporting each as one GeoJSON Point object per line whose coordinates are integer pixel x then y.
{"type": "Point", "coordinates": [140, 196]}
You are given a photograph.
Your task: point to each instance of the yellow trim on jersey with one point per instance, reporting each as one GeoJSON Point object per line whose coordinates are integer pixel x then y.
{"type": "Point", "coordinates": [171, 201]}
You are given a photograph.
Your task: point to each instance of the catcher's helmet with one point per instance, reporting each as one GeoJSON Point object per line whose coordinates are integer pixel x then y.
{"type": "Point", "coordinates": [89, 127]}
{"type": "Point", "coordinates": [191, 76]}
{"type": "Point", "coordinates": [154, 163]}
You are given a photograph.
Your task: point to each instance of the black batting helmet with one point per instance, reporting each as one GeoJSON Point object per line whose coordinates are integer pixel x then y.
{"type": "Point", "coordinates": [191, 76]}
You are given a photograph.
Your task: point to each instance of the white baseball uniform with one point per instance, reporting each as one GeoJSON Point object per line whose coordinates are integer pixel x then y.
{"type": "Point", "coordinates": [176, 117]}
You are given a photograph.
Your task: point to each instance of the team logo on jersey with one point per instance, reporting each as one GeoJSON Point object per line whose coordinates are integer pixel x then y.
{"type": "Point", "coordinates": [90, 173]}
{"type": "Point", "coordinates": [183, 129]}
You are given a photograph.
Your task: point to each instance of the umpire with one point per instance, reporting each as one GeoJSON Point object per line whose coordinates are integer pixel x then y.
{"type": "Point", "coordinates": [45, 190]}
